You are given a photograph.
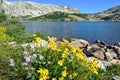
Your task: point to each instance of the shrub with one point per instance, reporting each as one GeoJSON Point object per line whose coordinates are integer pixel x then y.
{"type": "Point", "coordinates": [3, 17]}
{"type": "Point", "coordinates": [3, 35]}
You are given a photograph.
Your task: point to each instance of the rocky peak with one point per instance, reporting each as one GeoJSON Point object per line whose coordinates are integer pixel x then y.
{"type": "Point", "coordinates": [32, 9]}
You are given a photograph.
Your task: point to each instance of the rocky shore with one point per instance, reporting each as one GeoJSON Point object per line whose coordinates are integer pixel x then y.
{"type": "Point", "coordinates": [106, 55]}
{"type": "Point", "coordinates": [100, 50]}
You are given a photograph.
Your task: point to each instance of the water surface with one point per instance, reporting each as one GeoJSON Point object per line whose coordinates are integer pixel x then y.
{"type": "Point", "coordinates": [91, 31]}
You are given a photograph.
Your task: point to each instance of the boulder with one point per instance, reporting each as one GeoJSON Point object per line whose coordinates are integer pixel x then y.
{"type": "Point", "coordinates": [106, 64]}
{"type": "Point", "coordinates": [98, 46]}
{"type": "Point", "coordinates": [116, 78]}
{"type": "Point", "coordinates": [115, 61]}
{"type": "Point", "coordinates": [110, 47]}
{"type": "Point", "coordinates": [112, 53]}
{"type": "Point", "coordinates": [89, 53]}
{"type": "Point", "coordinates": [97, 41]}
{"type": "Point", "coordinates": [117, 50]}
{"type": "Point", "coordinates": [108, 56]}
{"type": "Point", "coordinates": [102, 43]}
{"type": "Point", "coordinates": [99, 54]}
{"type": "Point", "coordinates": [95, 47]}
{"type": "Point", "coordinates": [80, 43]}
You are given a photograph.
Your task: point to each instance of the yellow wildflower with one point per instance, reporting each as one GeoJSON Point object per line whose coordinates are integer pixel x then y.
{"type": "Point", "coordinates": [75, 74]}
{"type": "Point", "coordinates": [64, 73]}
{"type": "Point", "coordinates": [42, 77]}
{"type": "Point", "coordinates": [52, 44]}
{"type": "Point", "coordinates": [52, 39]}
{"type": "Point", "coordinates": [62, 44]}
{"type": "Point", "coordinates": [38, 40]}
{"type": "Point", "coordinates": [60, 62]}
{"type": "Point", "coordinates": [64, 55]}
{"type": "Point", "coordinates": [43, 74]}
{"type": "Point", "coordinates": [54, 79]}
{"type": "Point", "coordinates": [34, 35]}
{"type": "Point", "coordinates": [40, 70]}
{"type": "Point", "coordinates": [70, 76]}
{"type": "Point", "coordinates": [2, 29]}
{"type": "Point", "coordinates": [95, 71]}
{"type": "Point", "coordinates": [61, 78]}
{"type": "Point", "coordinates": [46, 71]}
{"type": "Point", "coordinates": [65, 41]}
{"type": "Point", "coordinates": [73, 48]}
{"type": "Point", "coordinates": [66, 50]}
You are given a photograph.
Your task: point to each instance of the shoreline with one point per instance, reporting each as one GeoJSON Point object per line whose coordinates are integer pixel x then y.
{"type": "Point", "coordinates": [99, 50]}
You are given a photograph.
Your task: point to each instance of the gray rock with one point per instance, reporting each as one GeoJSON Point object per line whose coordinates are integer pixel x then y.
{"type": "Point", "coordinates": [106, 64]}
{"type": "Point", "coordinates": [89, 48]}
{"type": "Point", "coordinates": [116, 78]}
{"type": "Point", "coordinates": [115, 61]}
{"type": "Point", "coordinates": [89, 53]}
{"type": "Point", "coordinates": [112, 52]}
{"type": "Point", "coordinates": [99, 54]}
{"type": "Point", "coordinates": [80, 43]}
{"type": "Point", "coordinates": [108, 56]}
{"type": "Point", "coordinates": [95, 47]}
{"type": "Point", "coordinates": [117, 50]}
{"type": "Point", "coordinates": [97, 41]}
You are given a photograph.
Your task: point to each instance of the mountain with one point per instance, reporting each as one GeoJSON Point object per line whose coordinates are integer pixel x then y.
{"type": "Point", "coordinates": [32, 9]}
{"type": "Point", "coordinates": [48, 12]}
{"type": "Point", "coordinates": [61, 16]}
{"type": "Point", "coordinates": [112, 14]}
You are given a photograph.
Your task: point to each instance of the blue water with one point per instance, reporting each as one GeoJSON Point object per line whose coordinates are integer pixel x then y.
{"type": "Point", "coordinates": [91, 31]}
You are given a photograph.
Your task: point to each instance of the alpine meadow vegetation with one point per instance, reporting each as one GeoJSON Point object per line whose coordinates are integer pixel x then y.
{"type": "Point", "coordinates": [26, 56]}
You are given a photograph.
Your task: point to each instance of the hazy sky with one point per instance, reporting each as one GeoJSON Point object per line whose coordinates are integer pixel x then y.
{"type": "Point", "coordinates": [85, 6]}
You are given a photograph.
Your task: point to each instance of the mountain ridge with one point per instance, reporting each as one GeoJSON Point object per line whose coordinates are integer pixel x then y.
{"type": "Point", "coordinates": [111, 14]}
{"type": "Point", "coordinates": [33, 9]}
{"type": "Point", "coordinates": [36, 11]}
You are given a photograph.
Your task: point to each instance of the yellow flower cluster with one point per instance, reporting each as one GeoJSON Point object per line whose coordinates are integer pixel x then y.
{"type": "Point", "coordinates": [52, 43]}
{"type": "Point", "coordinates": [64, 73]}
{"type": "Point", "coordinates": [64, 43]}
{"type": "Point", "coordinates": [3, 35]}
{"type": "Point", "coordinates": [73, 75]}
{"type": "Point", "coordinates": [60, 62]}
{"type": "Point", "coordinates": [43, 74]}
{"type": "Point", "coordinates": [2, 30]}
{"type": "Point", "coordinates": [65, 53]}
{"type": "Point", "coordinates": [68, 52]}
{"type": "Point", "coordinates": [93, 66]}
